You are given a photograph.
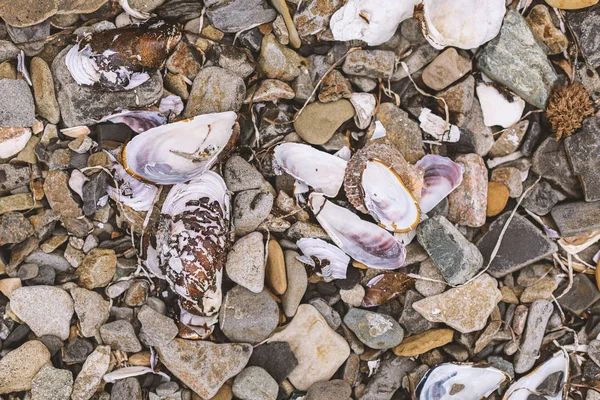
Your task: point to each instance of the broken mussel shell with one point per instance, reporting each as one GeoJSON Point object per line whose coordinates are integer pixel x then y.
{"type": "Point", "coordinates": [320, 170]}
{"type": "Point", "coordinates": [547, 381]}
{"type": "Point", "coordinates": [190, 248]}
{"type": "Point", "coordinates": [466, 24]}
{"type": "Point", "coordinates": [138, 120]}
{"type": "Point", "coordinates": [131, 192]}
{"type": "Point", "coordinates": [181, 151]}
{"type": "Point", "coordinates": [442, 176]}
{"type": "Point", "coordinates": [385, 287]}
{"type": "Point", "coordinates": [329, 261]}
{"type": "Point", "coordinates": [380, 182]}
{"type": "Point", "coordinates": [364, 241]}
{"type": "Point", "coordinates": [120, 59]}
{"type": "Point", "coordinates": [452, 381]}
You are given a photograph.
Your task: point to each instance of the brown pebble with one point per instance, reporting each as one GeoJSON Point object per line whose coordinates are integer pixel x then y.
{"type": "Point", "coordinates": [497, 198]}
{"type": "Point", "coordinates": [423, 342]}
{"type": "Point", "coordinates": [141, 359]}
{"type": "Point", "coordinates": [275, 271]}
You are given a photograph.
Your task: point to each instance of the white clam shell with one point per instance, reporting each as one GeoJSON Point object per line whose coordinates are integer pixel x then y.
{"type": "Point", "coordinates": [180, 151]}
{"type": "Point", "coordinates": [387, 198]}
{"type": "Point", "coordinates": [372, 21]}
{"type": "Point", "coordinates": [496, 109]}
{"type": "Point", "coordinates": [131, 192]}
{"type": "Point", "coordinates": [442, 176]}
{"type": "Point", "coordinates": [13, 140]}
{"type": "Point", "coordinates": [337, 261]}
{"type": "Point", "coordinates": [320, 170]}
{"type": "Point", "coordinates": [466, 24]}
{"type": "Point", "coordinates": [364, 105]}
{"type": "Point", "coordinates": [521, 389]}
{"type": "Point", "coordinates": [477, 382]}
{"type": "Point", "coordinates": [364, 241]}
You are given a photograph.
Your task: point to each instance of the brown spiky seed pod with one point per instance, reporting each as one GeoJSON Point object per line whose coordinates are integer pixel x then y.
{"type": "Point", "coordinates": [569, 105]}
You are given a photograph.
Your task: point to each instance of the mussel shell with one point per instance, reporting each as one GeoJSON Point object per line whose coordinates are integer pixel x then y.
{"type": "Point", "coordinates": [364, 241]}
{"type": "Point", "coordinates": [138, 120]}
{"type": "Point", "coordinates": [180, 151]}
{"type": "Point", "coordinates": [442, 176]}
{"type": "Point", "coordinates": [333, 262]}
{"type": "Point", "coordinates": [133, 193]}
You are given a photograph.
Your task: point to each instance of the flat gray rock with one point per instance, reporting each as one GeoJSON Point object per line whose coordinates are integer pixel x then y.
{"type": "Point", "coordinates": [254, 383]}
{"type": "Point", "coordinates": [17, 108]}
{"type": "Point", "coordinates": [542, 197]}
{"type": "Point", "coordinates": [376, 330]}
{"type": "Point", "coordinates": [550, 161]}
{"type": "Point", "coordinates": [119, 335]}
{"type": "Point", "coordinates": [52, 384]}
{"type": "Point", "coordinates": [157, 329]}
{"type": "Point", "coordinates": [537, 319]}
{"type": "Point", "coordinates": [583, 152]}
{"type": "Point", "coordinates": [83, 105]}
{"type": "Point", "coordinates": [239, 15]}
{"type": "Point", "coordinates": [585, 24]}
{"type": "Point", "coordinates": [581, 296]}
{"type": "Point", "coordinates": [576, 218]}
{"type": "Point", "coordinates": [456, 257]}
{"type": "Point", "coordinates": [516, 59]}
{"type": "Point", "coordinates": [522, 244]}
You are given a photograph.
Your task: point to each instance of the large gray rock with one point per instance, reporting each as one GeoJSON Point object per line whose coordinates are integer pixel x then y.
{"type": "Point", "coordinates": [376, 330]}
{"type": "Point", "coordinates": [19, 367]}
{"type": "Point", "coordinates": [523, 244]}
{"type": "Point", "coordinates": [157, 329]}
{"type": "Point", "coordinates": [516, 59]}
{"type": "Point", "coordinates": [456, 257]}
{"type": "Point", "coordinates": [52, 384]}
{"type": "Point", "coordinates": [582, 295]}
{"type": "Point", "coordinates": [17, 108]}
{"type": "Point", "coordinates": [576, 218]}
{"type": "Point", "coordinates": [583, 152]}
{"type": "Point", "coordinates": [550, 162]}
{"type": "Point", "coordinates": [238, 15]}
{"type": "Point", "coordinates": [83, 105]}
{"type": "Point", "coordinates": [586, 27]}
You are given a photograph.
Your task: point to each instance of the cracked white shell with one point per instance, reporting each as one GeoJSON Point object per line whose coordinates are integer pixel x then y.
{"type": "Point", "coordinates": [364, 241]}
{"type": "Point", "coordinates": [332, 261]}
{"type": "Point", "coordinates": [180, 151]}
{"type": "Point", "coordinates": [521, 389]}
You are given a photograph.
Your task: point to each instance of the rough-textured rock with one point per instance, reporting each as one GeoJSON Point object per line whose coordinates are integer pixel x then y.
{"type": "Point", "coordinates": [509, 140]}
{"type": "Point", "coordinates": [52, 384]}
{"type": "Point", "coordinates": [465, 308]}
{"type": "Point", "coordinates": [585, 25]}
{"type": "Point", "coordinates": [246, 262]}
{"type": "Point", "coordinates": [423, 342]}
{"type": "Point", "coordinates": [215, 90]}
{"type": "Point", "coordinates": [126, 389]}
{"type": "Point", "coordinates": [371, 63]}
{"type": "Point", "coordinates": [335, 389]}
{"type": "Point", "coordinates": [388, 378]}
{"type": "Point", "coordinates": [91, 374]}
{"type": "Point", "coordinates": [540, 22]}
{"type": "Point", "coordinates": [537, 319]}
{"type": "Point", "coordinates": [446, 69]}
{"type": "Point", "coordinates": [411, 320]}
{"type": "Point", "coordinates": [276, 358]}
{"type": "Point", "coordinates": [523, 244]}
{"type": "Point", "coordinates": [376, 330]}
{"type": "Point", "coordinates": [27, 13]}
{"type": "Point", "coordinates": [583, 152]}
{"type": "Point", "coordinates": [319, 350]}
{"type": "Point", "coordinates": [236, 16]}
{"type": "Point", "coordinates": [254, 383]}
{"type": "Point", "coordinates": [91, 309]}
{"type": "Point", "coordinates": [83, 105]}
{"type": "Point", "coordinates": [19, 367]}
{"type": "Point", "coordinates": [457, 259]}
{"type": "Point", "coordinates": [582, 295]}
{"type": "Point", "coordinates": [248, 317]}
{"type": "Point", "coordinates": [401, 132]}
{"type": "Point", "coordinates": [46, 310]}
{"type": "Point", "coordinates": [157, 329]}
{"type": "Point", "coordinates": [550, 161]}
{"type": "Point", "coordinates": [297, 281]}
{"type": "Point", "coordinates": [576, 218]}
{"type": "Point", "coordinates": [515, 59]}
{"type": "Point", "coordinates": [119, 335]}
{"type": "Point", "coordinates": [319, 121]}
{"type": "Point", "coordinates": [312, 17]}
{"type": "Point", "coordinates": [467, 204]}
{"type": "Point", "coordinates": [43, 89]}
{"type": "Point", "coordinates": [277, 61]}
{"type": "Point", "coordinates": [98, 268]}
{"type": "Point", "coordinates": [17, 108]}
{"type": "Point", "coordinates": [204, 366]}
{"type": "Point", "coordinates": [14, 228]}
{"type": "Point", "coordinates": [428, 269]}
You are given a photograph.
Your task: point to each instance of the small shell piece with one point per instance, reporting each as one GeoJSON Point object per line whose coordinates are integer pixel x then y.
{"type": "Point", "coordinates": [190, 246]}
{"type": "Point", "coordinates": [466, 24]}
{"type": "Point", "coordinates": [388, 200]}
{"type": "Point", "coordinates": [411, 176]}
{"type": "Point", "coordinates": [442, 176]}
{"type": "Point", "coordinates": [329, 260]}
{"type": "Point", "coordinates": [524, 387]}
{"type": "Point", "coordinates": [364, 241]}
{"type": "Point", "coordinates": [320, 170]}
{"type": "Point", "coordinates": [131, 192]}
{"type": "Point", "coordinates": [180, 151]}
{"type": "Point", "coordinates": [460, 381]}
{"type": "Point", "coordinates": [364, 105]}
{"type": "Point", "coordinates": [13, 140]}
{"type": "Point", "coordinates": [138, 120]}
{"type": "Point", "coordinates": [385, 287]}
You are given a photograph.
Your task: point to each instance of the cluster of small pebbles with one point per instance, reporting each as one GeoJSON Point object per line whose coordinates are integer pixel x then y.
{"type": "Point", "coordinates": [311, 199]}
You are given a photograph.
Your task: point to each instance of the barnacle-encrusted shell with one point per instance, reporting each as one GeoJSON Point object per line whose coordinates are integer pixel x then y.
{"type": "Point", "coordinates": [524, 387]}
{"type": "Point", "coordinates": [442, 176]}
{"type": "Point", "coordinates": [131, 192]}
{"type": "Point", "coordinates": [330, 261]}
{"type": "Point", "coordinates": [118, 59]}
{"type": "Point", "coordinates": [190, 246]}
{"type": "Point", "coordinates": [138, 120]}
{"type": "Point", "coordinates": [460, 381]}
{"type": "Point", "coordinates": [180, 151]}
{"type": "Point", "coordinates": [466, 24]}
{"type": "Point", "coordinates": [364, 241]}
{"type": "Point", "coordinates": [317, 169]}
{"type": "Point", "coordinates": [411, 176]}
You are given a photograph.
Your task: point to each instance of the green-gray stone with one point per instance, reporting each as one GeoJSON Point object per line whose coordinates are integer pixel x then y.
{"type": "Point", "coordinates": [376, 330]}
{"type": "Point", "coordinates": [515, 59]}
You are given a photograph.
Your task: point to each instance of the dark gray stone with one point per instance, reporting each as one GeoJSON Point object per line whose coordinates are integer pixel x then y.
{"type": "Point", "coordinates": [46, 276]}
{"type": "Point", "coordinates": [523, 244]}
{"type": "Point", "coordinates": [180, 9]}
{"type": "Point", "coordinates": [30, 34]}
{"type": "Point", "coordinates": [532, 138]}
{"type": "Point", "coordinates": [12, 177]}
{"type": "Point", "coordinates": [411, 320]}
{"type": "Point", "coordinates": [77, 350]}
{"type": "Point", "coordinates": [126, 389]}
{"type": "Point", "coordinates": [238, 15]}
{"type": "Point", "coordinates": [17, 108]}
{"type": "Point", "coordinates": [583, 152]}
{"type": "Point", "coordinates": [83, 105]}
{"type": "Point", "coordinates": [542, 197]}
{"type": "Point", "coordinates": [576, 218]}
{"type": "Point", "coordinates": [52, 343]}
{"type": "Point", "coordinates": [456, 257]}
{"type": "Point", "coordinates": [516, 59]}
{"type": "Point", "coordinates": [581, 296]}
{"type": "Point", "coordinates": [537, 319]}
{"type": "Point", "coordinates": [388, 378]}
{"type": "Point", "coordinates": [550, 161]}
{"type": "Point", "coordinates": [552, 384]}
{"type": "Point", "coordinates": [585, 24]}
{"type": "Point", "coordinates": [276, 358]}
{"type": "Point", "coordinates": [93, 191]}
{"type": "Point", "coordinates": [331, 316]}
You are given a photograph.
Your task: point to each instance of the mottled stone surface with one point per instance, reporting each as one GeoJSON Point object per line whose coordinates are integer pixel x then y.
{"type": "Point", "coordinates": [402, 132]}
{"type": "Point", "coordinates": [319, 121]}
{"type": "Point", "coordinates": [537, 319]}
{"type": "Point", "coordinates": [515, 59]}
{"type": "Point", "coordinates": [576, 218]}
{"type": "Point", "coordinates": [17, 108]}
{"type": "Point", "coordinates": [312, 16]}
{"type": "Point", "coordinates": [465, 308]}
{"type": "Point", "coordinates": [388, 378]}
{"type": "Point", "coordinates": [550, 162]}
{"type": "Point", "coordinates": [540, 22]}
{"type": "Point", "coordinates": [91, 374]}
{"type": "Point", "coordinates": [509, 140]}
{"type": "Point", "coordinates": [235, 16]}
{"type": "Point", "coordinates": [586, 25]}
{"type": "Point", "coordinates": [523, 244]}
{"type": "Point", "coordinates": [542, 197]}
{"type": "Point", "coordinates": [371, 63]}
{"type": "Point", "coordinates": [215, 90]}
{"type": "Point", "coordinates": [583, 152]}
{"type": "Point", "coordinates": [376, 330]}
{"type": "Point", "coordinates": [456, 257]}
{"type": "Point", "coordinates": [467, 204]}
{"type": "Point", "coordinates": [446, 69]}
{"type": "Point", "coordinates": [19, 367]}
